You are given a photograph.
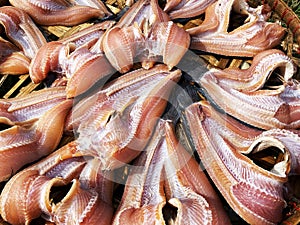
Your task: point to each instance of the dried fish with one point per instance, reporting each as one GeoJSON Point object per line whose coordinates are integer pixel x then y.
{"type": "Point", "coordinates": [77, 57]}
{"type": "Point", "coordinates": [116, 87]}
{"type": "Point", "coordinates": [243, 97]}
{"type": "Point", "coordinates": [35, 195]}
{"type": "Point", "coordinates": [31, 107]}
{"type": "Point", "coordinates": [187, 187]}
{"type": "Point", "coordinates": [144, 198]}
{"type": "Point", "coordinates": [252, 37]}
{"type": "Point", "coordinates": [32, 140]}
{"type": "Point", "coordinates": [61, 12]}
{"type": "Point", "coordinates": [21, 30]}
{"type": "Point", "coordinates": [120, 118]}
{"type": "Point", "coordinates": [254, 192]}
{"type": "Point", "coordinates": [166, 172]}
{"type": "Point", "coordinates": [187, 8]}
{"type": "Point", "coordinates": [12, 59]}
{"type": "Point", "coordinates": [145, 34]}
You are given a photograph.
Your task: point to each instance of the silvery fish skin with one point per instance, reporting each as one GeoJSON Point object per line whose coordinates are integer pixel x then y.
{"type": "Point", "coordinates": [32, 196]}
{"type": "Point", "coordinates": [21, 30]}
{"type": "Point", "coordinates": [145, 34]}
{"type": "Point", "coordinates": [254, 36]}
{"type": "Point", "coordinates": [61, 12]}
{"type": "Point", "coordinates": [254, 192]}
{"type": "Point", "coordinates": [243, 96]}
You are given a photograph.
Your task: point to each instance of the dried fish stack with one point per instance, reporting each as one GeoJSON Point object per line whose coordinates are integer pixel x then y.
{"type": "Point", "coordinates": [149, 112]}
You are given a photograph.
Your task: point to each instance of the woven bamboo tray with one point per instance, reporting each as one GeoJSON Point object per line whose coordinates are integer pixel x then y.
{"type": "Point", "coordinates": [13, 86]}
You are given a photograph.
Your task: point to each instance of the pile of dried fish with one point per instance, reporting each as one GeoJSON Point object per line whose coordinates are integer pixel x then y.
{"type": "Point", "coordinates": [146, 113]}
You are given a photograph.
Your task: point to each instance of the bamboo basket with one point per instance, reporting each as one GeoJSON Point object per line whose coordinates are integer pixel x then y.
{"type": "Point", "coordinates": [13, 86]}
